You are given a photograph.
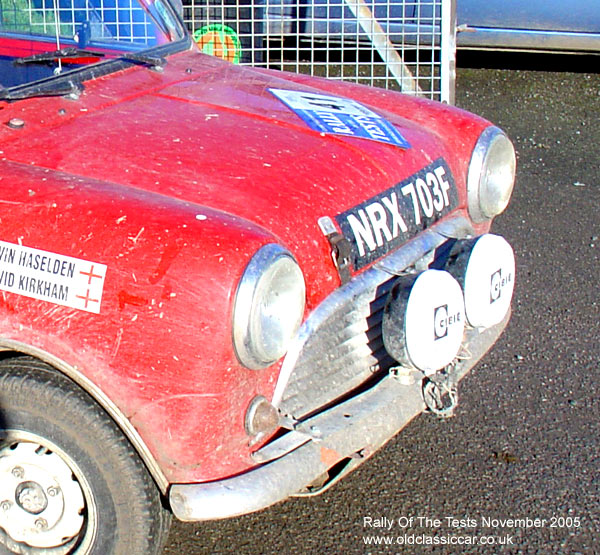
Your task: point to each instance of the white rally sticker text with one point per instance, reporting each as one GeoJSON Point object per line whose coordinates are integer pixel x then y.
{"type": "Point", "coordinates": [51, 277]}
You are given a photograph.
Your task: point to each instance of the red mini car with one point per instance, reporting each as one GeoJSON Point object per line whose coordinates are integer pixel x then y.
{"type": "Point", "coordinates": [219, 286]}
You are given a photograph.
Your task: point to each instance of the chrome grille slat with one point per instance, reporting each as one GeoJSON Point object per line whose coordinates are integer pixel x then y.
{"type": "Point", "coordinates": [349, 342]}
{"type": "Point", "coordinates": [346, 359]}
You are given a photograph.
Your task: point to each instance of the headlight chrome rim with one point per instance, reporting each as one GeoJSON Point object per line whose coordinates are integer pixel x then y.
{"type": "Point", "coordinates": [270, 263]}
{"type": "Point", "coordinates": [489, 189]}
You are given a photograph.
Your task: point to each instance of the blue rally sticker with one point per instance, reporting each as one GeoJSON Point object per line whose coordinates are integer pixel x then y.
{"type": "Point", "coordinates": [340, 116]}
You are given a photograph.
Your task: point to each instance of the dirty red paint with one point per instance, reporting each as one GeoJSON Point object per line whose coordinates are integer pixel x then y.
{"type": "Point", "coordinates": [173, 180]}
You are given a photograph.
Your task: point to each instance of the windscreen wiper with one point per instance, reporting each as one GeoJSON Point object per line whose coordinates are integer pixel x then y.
{"type": "Point", "coordinates": [72, 52]}
{"type": "Point", "coordinates": [58, 55]}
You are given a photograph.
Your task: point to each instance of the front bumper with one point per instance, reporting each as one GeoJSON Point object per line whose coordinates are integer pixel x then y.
{"type": "Point", "coordinates": [340, 438]}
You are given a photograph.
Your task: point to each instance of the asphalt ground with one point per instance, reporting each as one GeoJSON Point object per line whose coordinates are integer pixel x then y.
{"type": "Point", "coordinates": [525, 441]}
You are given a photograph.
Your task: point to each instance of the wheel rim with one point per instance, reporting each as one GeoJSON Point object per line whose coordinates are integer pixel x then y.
{"type": "Point", "coordinates": [46, 504]}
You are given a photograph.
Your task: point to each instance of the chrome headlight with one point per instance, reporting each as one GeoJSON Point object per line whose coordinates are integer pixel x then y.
{"type": "Point", "coordinates": [268, 309]}
{"type": "Point", "coordinates": [491, 175]}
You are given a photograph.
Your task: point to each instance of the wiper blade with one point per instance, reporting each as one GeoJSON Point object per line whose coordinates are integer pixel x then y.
{"type": "Point", "coordinates": [28, 92]}
{"type": "Point", "coordinates": [72, 52]}
{"type": "Point", "coordinates": [60, 54]}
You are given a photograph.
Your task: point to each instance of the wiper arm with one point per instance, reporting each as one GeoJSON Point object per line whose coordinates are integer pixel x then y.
{"type": "Point", "coordinates": [72, 52]}
{"type": "Point", "coordinates": [146, 59]}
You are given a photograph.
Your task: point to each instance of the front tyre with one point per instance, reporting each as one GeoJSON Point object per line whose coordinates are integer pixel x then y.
{"type": "Point", "coordinates": [70, 482]}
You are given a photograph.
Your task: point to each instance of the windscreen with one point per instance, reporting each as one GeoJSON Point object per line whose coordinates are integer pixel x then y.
{"type": "Point", "coordinates": [41, 38]}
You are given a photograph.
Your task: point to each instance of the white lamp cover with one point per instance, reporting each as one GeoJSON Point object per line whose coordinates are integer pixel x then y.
{"type": "Point", "coordinates": [435, 320]}
{"type": "Point", "coordinates": [489, 281]}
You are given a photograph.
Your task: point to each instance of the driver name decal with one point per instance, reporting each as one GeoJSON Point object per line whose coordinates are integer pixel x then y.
{"type": "Point", "coordinates": [51, 277]}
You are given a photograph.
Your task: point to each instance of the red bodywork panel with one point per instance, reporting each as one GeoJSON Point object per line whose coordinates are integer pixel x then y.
{"type": "Point", "coordinates": [173, 180]}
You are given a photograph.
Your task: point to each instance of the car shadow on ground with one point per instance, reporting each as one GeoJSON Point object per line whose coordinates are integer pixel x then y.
{"type": "Point", "coordinates": [533, 61]}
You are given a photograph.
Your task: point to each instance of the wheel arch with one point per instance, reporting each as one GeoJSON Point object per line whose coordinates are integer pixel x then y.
{"type": "Point", "coordinates": [8, 346]}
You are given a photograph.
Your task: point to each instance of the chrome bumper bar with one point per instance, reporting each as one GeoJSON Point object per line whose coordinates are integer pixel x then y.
{"type": "Point", "coordinates": [352, 431]}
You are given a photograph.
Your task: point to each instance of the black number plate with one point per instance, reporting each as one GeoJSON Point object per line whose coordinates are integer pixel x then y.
{"type": "Point", "coordinates": [384, 222]}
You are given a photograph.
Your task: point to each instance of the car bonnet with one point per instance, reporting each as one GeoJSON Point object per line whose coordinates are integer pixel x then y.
{"type": "Point", "coordinates": [217, 135]}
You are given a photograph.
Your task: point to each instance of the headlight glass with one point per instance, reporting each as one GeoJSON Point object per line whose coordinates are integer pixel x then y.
{"type": "Point", "coordinates": [269, 306]}
{"type": "Point", "coordinates": [491, 175]}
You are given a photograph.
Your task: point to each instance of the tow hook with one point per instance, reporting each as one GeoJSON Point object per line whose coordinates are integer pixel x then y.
{"type": "Point", "coordinates": [440, 394]}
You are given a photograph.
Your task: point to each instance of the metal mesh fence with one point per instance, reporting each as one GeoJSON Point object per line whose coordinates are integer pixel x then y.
{"type": "Point", "coordinates": [405, 45]}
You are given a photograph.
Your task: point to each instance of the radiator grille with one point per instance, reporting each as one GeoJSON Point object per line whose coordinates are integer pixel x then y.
{"type": "Point", "coordinates": [344, 351]}
{"type": "Point", "coordinates": [340, 346]}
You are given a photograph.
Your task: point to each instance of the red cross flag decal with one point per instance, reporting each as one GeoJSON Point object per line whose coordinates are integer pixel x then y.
{"type": "Point", "coordinates": [51, 277]}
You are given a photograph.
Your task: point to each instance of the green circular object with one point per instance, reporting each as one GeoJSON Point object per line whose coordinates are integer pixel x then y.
{"type": "Point", "coordinates": [219, 40]}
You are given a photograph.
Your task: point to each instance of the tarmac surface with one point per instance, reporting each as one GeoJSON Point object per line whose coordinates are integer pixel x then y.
{"type": "Point", "coordinates": [519, 464]}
